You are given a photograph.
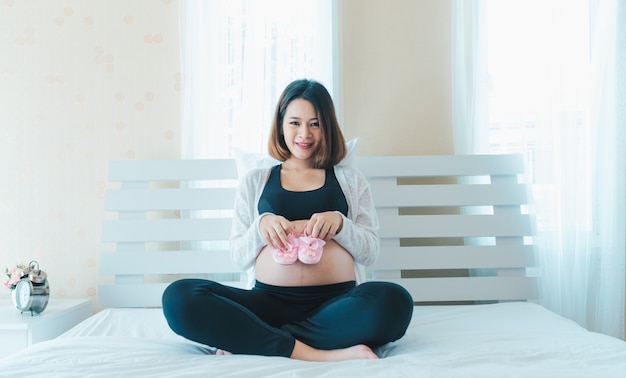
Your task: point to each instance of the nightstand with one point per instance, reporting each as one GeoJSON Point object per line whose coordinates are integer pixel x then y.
{"type": "Point", "coordinates": [17, 331]}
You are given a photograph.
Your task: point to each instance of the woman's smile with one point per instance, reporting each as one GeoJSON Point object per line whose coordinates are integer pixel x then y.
{"type": "Point", "coordinates": [301, 129]}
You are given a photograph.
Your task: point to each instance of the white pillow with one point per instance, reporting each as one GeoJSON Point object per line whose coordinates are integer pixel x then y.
{"type": "Point", "coordinates": [348, 160]}
{"type": "Point", "coordinates": [247, 161]}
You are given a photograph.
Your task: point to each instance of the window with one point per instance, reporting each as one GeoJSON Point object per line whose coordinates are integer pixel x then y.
{"type": "Point", "coordinates": [538, 69]}
{"type": "Point", "coordinates": [238, 56]}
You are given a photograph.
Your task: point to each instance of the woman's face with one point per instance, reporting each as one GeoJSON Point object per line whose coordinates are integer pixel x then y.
{"type": "Point", "coordinates": [301, 129]}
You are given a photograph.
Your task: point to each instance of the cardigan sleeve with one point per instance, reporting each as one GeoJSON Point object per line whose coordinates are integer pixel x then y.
{"type": "Point", "coordinates": [246, 241]}
{"type": "Point", "coordinates": [359, 234]}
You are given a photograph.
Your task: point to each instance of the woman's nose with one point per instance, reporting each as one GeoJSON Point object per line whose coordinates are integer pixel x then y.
{"type": "Point", "coordinates": [304, 130]}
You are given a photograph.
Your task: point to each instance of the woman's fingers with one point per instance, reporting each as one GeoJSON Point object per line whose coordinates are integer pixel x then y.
{"type": "Point", "coordinates": [275, 230]}
{"type": "Point", "coordinates": [324, 225]}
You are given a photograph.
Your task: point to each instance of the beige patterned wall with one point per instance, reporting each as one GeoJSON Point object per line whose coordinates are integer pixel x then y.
{"type": "Point", "coordinates": [81, 82]}
{"type": "Point", "coordinates": [86, 81]}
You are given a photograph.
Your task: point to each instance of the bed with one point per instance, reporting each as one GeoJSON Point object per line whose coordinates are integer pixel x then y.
{"type": "Point", "coordinates": [456, 231]}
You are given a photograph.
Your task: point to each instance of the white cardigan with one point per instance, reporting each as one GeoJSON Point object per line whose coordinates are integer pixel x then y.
{"type": "Point", "coordinates": [359, 233]}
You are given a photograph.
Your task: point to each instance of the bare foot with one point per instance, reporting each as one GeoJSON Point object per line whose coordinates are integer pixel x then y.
{"type": "Point", "coordinates": [221, 352]}
{"type": "Point", "coordinates": [304, 352]}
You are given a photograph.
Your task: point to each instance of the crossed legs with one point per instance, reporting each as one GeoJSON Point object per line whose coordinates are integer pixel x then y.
{"type": "Point", "coordinates": [331, 322]}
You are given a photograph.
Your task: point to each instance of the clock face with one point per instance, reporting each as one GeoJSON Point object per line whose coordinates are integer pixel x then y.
{"type": "Point", "coordinates": [23, 295]}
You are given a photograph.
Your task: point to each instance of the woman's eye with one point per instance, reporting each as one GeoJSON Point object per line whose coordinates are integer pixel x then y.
{"type": "Point", "coordinates": [315, 124]}
{"type": "Point", "coordinates": [294, 123]}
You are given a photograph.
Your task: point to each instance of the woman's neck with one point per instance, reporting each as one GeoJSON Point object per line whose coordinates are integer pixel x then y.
{"type": "Point", "coordinates": [297, 165]}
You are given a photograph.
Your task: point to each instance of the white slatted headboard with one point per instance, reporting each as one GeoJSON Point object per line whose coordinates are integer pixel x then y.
{"type": "Point", "coordinates": [155, 227]}
{"type": "Point", "coordinates": [453, 227]}
{"type": "Point", "coordinates": [437, 227]}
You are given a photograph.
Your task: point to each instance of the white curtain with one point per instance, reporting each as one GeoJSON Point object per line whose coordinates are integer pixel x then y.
{"type": "Point", "coordinates": [547, 74]}
{"type": "Point", "coordinates": [237, 57]}
{"type": "Point", "coordinates": [469, 78]}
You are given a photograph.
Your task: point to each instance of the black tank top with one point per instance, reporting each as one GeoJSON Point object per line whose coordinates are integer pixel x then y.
{"type": "Point", "coordinates": [301, 205]}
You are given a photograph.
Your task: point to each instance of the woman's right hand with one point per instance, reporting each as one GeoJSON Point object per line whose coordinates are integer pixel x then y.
{"type": "Point", "coordinates": [275, 230]}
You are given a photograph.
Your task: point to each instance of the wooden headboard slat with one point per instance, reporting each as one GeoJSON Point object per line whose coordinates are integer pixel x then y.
{"type": "Point", "coordinates": [440, 165]}
{"type": "Point", "coordinates": [170, 199]}
{"type": "Point", "coordinates": [157, 230]}
{"type": "Point", "coordinates": [456, 257]}
{"type": "Point", "coordinates": [460, 225]}
{"type": "Point", "coordinates": [167, 262]}
{"type": "Point", "coordinates": [448, 195]}
{"type": "Point", "coordinates": [172, 170]}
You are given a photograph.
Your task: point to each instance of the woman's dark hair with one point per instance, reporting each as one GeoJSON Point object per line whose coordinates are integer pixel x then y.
{"type": "Point", "coordinates": [332, 147]}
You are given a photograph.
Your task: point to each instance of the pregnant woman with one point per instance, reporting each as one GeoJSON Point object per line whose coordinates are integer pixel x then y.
{"type": "Point", "coordinates": [303, 230]}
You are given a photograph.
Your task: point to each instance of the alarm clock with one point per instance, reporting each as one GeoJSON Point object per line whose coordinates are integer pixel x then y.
{"type": "Point", "coordinates": [32, 292]}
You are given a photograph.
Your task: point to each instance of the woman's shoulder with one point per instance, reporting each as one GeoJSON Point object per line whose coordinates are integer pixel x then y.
{"type": "Point", "coordinates": [256, 175]}
{"type": "Point", "coordinates": [351, 173]}
{"type": "Point", "coordinates": [351, 177]}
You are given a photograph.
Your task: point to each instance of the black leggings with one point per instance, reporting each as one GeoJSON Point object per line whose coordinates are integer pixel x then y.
{"type": "Point", "coordinates": [268, 319]}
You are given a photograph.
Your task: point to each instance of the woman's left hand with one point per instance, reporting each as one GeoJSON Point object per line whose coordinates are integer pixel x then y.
{"type": "Point", "coordinates": [324, 225]}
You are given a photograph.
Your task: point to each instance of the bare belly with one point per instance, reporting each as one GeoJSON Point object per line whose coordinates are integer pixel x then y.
{"type": "Point", "coordinates": [336, 265]}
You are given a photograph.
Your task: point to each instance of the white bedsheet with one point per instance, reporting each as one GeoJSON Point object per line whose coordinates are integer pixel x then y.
{"type": "Point", "coordinates": [502, 340]}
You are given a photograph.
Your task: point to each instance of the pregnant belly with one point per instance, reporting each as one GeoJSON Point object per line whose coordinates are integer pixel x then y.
{"type": "Point", "coordinates": [335, 266]}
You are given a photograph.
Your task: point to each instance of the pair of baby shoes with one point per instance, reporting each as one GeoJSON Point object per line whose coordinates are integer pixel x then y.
{"type": "Point", "coordinates": [304, 248]}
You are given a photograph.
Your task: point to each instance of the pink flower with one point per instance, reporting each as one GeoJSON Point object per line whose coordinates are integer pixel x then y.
{"type": "Point", "coordinates": [15, 275]}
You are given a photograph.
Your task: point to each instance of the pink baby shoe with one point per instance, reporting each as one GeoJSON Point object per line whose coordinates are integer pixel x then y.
{"type": "Point", "coordinates": [310, 249]}
{"type": "Point", "coordinates": [288, 255]}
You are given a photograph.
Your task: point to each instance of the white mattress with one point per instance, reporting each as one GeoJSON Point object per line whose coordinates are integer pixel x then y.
{"type": "Point", "coordinates": [501, 340]}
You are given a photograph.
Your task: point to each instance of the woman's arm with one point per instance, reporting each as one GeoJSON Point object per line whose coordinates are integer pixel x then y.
{"type": "Point", "coordinates": [359, 232]}
{"type": "Point", "coordinates": [246, 241]}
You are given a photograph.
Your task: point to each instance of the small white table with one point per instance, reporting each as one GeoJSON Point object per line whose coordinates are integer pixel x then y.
{"type": "Point", "coordinates": [17, 331]}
